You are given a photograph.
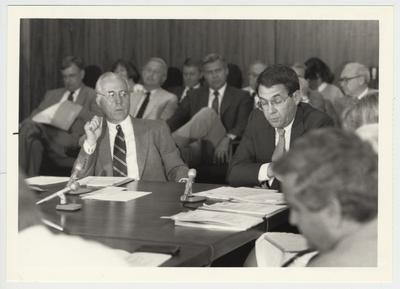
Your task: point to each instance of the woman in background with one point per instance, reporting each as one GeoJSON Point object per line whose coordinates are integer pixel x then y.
{"type": "Point", "coordinates": [127, 70]}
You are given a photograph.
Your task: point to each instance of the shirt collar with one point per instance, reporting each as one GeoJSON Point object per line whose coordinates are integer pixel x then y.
{"type": "Point", "coordinates": [221, 91]}
{"type": "Point", "coordinates": [362, 94]}
{"type": "Point", "coordinates": [322, 86]}
{"type": "Point", "coordinates": [126, 124]}
{"type": "Point", "coordinates": [194, 87]}
{"type": "Point", "coordinates": [287, 128]}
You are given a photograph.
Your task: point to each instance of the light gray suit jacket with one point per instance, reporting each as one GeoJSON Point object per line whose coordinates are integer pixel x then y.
{"type": "Point", "coordinates": [162, 104]}
{"type": "Point", "coordinates": [157, 155]}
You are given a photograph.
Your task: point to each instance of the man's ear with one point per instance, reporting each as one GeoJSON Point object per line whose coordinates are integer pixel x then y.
{"type": "Point", "coordinates": [296, 96]}
{"type": "Point", "coordinates": [82, 74]}
{"type": "Point", "coordinates": [334, 212]}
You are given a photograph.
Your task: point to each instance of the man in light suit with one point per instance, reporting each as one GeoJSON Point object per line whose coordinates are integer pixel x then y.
{"type": "Point", "coordinates": [37, 139]}
{"type": "Point", "coordinates": [121, 145]}
{"type": "Point", "coordinates": [271, 129]}
{"type": "Point", "coordinates": [217, 113]}
{"type": "Point", "coordinates": [153, 102]}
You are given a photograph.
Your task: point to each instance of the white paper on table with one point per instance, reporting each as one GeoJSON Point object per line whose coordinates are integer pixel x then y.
{"type": "Point", "coordinates": [253, 209]}
{"type": "Point", "coordinates": [96, 181]}
{"type": "Point", "coordinates": [45, 180]}
{"type": "Point", "coordinates": [146, 259]}
{"type": "Point", "coordinates": [244, 194]}
{"type": "Point", "coordinates": [115, 194]}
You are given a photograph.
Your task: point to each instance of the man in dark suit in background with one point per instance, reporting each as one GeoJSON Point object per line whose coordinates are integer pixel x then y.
{"type": "Point", "coordinates": [191, 79]}
{"type": "Point", "coordinates": [38, 139]}
{"type": "Point", "coordinates": [280, 119]}
{"type": "Point", "coordinates": [217, 113]}
{"type": "Point", "coordinates": [121, 145]}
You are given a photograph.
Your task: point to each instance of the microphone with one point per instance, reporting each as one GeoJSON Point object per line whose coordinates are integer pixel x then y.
{"type": "Point", "coordinates": [187, 194]}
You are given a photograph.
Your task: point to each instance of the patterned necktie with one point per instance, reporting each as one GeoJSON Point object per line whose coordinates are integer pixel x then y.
{"type": "Point", "coordinates": [119, 160]}
{"type": "Point", "coordinates": [215, 103]}
{"type": "Point", "coordinates": [280, 146]}
{"type": "Point", "coordinates": [71, 96]}
{"type": "Point", "coordinates": [144, 105]}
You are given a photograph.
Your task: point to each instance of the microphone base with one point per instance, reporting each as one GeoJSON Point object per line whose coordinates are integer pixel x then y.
{"type": "Point", "coordinates": [193, 199]}
{"type": "Point", "coordinates": [68, 207]}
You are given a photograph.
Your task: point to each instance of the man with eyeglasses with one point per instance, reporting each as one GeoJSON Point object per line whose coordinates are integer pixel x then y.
{"type": "Point", "coordinates": [354, 81]}
{"type": "Point", "coordinates": [121, 145]}
{"type": "Point", "coordinates": [280, 119]}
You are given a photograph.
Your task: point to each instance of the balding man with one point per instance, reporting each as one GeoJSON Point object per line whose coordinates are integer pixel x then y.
{"type": "Point", "coordinates": [153, 102]}
{"type": "Point", "coordinates": [354, 80]}
{"type": "Point", "coordinates": [255, 70]}
{"type": "Point", "coordinates": [121, 145]}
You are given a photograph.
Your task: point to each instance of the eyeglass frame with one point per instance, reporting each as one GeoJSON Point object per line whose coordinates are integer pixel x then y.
{"type": "Point", "coordinates": [112, 94]}
{"type": "Point", "coordinates": [274, 104]}
{"type": "Point", "coordinates": [347, 79]}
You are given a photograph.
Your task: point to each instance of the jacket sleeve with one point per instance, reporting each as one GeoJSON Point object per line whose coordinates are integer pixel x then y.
{"type": "Point", "coordinates": [169, 108]}
{"type": "Point", "coordinates": [244, 168]}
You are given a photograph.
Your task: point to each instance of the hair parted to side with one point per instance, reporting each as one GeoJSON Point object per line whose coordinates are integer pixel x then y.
{"type": "Point", "coordinates": [213, 57]}
{"type": "Point", "coordinates": [279, 74]}
{"type": "Point", "coordinates": [364, 111]}
{"type": "Point", "coordinates": [316, 68]}
{"type": "Point", "coordinates": [131, 69]}
{"type": "Point", "coordinates": [70, 60]}
{"type": "Point", "coordinates": [192, 62]}
{"type": "Point", "coordinates": [107, 76]}
{"type": "Point", "coordinates": [329, 164]}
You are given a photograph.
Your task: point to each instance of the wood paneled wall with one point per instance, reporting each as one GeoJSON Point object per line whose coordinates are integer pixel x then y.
{"type": "Point", "coordinates": [44, 42]}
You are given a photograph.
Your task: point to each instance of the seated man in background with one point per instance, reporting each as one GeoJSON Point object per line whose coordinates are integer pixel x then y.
{"type": "Point", "coordinates": [153, 102]}
{"type": "Point", "coordinates": [121, 145]}
{"type": "Point", "coordinates": [280, 119]}
{"type": "Point", "coordinates": [58, 145]}
{"type": "Point", "coordinates": [332, 201]}
{"type": "Point", "coordinates": [191, 78]}
{"type": "Point", "coordinates": [354, 81]}
{"type": "Point", "coordinates": [255, 70]}
{"type": "Point", "coordinates": [217, 113]}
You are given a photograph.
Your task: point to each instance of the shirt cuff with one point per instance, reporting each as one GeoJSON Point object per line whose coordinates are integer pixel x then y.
{"type": "Point", "coordinates": [88, 148]}
{"type": "Point", "coordinates": [231, 136]}
{"type": "Point", "coordinates": [263, 174]}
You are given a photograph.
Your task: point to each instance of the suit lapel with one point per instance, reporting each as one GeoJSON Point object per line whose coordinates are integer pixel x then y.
{"type": "Point", "coordinates": [81, 96]}
{"type": "Point", "coordinates": [203, 99]}
{"type": "Point", "coordinates": [298, 127]}
{"type": "Point", "coordinates": [226, 100]}
{"type": "Point", "coordinates": [153, 102]}
{"type": "Point", "coordinates": [142, 144]}
{"type": "Point", "coordinates": [105, 155]}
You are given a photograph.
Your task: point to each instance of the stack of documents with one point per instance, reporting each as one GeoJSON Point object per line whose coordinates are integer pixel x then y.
{"type": "Point", "coordinates": [215, 220]}
{"type": "Point", "coordinates": [253, 209]}
{"type": "Point", "coordinates": [94, 181]}
{"type": "Point", "coordinates": [39, 183]}
{"type": "Point", "coordinates": [115, 194]}
{"type": "Point", "coordinates": [243, 194]}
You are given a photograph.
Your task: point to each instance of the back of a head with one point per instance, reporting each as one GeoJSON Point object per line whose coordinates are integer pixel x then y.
{"type": "Point", "coordinates": [329, 164]}
{"type": "Point", "coordinates": [279, 74]}
{"type": "Point", "coordinates": [362, 112]}
{"type": "Point", "coordinates": [316, 68]}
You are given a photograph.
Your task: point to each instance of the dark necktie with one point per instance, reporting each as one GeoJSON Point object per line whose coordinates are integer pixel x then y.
{"type": "Point", "coordinates": [119, 159]}
{"type": "Point", "coordinates": [71, 96]}
{"type": "Point", "coordinates": [142, 108]}
{"type": "Point", "coordinates": [215, 103]}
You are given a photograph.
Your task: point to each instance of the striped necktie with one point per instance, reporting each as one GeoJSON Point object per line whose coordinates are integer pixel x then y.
{"type": "Point", "coordinates": [119, 159]}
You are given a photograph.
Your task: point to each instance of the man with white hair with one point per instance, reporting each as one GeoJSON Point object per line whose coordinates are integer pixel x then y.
{"type": "Point", "coordinates": [121, 145]}
{"type": "Point", "coordinates": [255, 69]}
{"type": "Point", "coordinates": [153, 102]}
{"type": "Point", "coordinates": [354, 80]}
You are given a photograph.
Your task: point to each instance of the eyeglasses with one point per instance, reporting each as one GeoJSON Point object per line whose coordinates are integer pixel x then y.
{"type": "Point", "coordinates": [347, 79]}
{"type": "Point", "coordinates": [262, 103]}
{"type": "Point", "coordinates": [111, 95]}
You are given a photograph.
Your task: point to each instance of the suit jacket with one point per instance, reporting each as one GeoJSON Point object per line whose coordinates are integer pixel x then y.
{"type": "Point", "coordinates": [162, 104]}
{"type": "Point", "coordinates": [86, 98]}
{"type": "Point", "coordinates": [258, 143]}
{"type": "Point", "coordinates": [157, 155]}
{"type": "Point", "coordinates": [235, 109]}
{"type": "Point", "coordinates": [178, 91]}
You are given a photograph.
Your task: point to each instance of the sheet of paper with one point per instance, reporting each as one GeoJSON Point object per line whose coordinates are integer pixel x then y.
{"type": "Point", "coordinates": [244, 194]}
{"type": "Point", "coordinates": [95, 181]}
{"type": "Point", "coordinates": [254, 209]}
{"type": "Point", "coordinates": [114, 194]}
{"type": "Point", "coordinates": [45, 180]}
{"type": "Point", "coordinates": [145, 259]}
{"type": "Point", "coordinates": [47, 115]}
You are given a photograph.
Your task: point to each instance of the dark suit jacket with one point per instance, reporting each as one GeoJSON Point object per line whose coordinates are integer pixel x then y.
{"type": "Point", "coordinates": [157, 155]}
{"type": "Point", "coordinates": [235, 109]}
{"type": "Point", "coordinates": [86, 98]}
{"type": "Point", "coordinates": [258, 143]}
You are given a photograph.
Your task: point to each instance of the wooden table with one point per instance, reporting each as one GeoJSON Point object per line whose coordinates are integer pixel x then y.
{"type": "Point", "coordinates": [127, 225]}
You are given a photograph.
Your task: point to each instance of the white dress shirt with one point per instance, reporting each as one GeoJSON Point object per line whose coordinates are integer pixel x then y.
{"type": "Point", "coordinates": [362, 94]}
{"type": "Point", "coordinates": [131, 157]}
{"type": "Point", "coordinates": [74, 96]}
{"type": "Point", "coordinates": [185, 91]}
{"type": "Point", "coordinates": [322, 86]}
{"type": "Point", "coordinates": [211, 97]}
{"type": "Point", "coordinates": [263, 172]}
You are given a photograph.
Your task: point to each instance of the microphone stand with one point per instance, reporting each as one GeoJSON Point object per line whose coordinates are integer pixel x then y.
{"type": "Point", "coordinates": [187, 196]}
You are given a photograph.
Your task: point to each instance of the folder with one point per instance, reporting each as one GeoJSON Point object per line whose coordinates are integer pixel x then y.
{"type": "Point", "coordinates": [61, 115]}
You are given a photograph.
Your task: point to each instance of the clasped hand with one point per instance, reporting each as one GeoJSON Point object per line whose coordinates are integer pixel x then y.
{"type": "Point", "coordinates": [93, 129]}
